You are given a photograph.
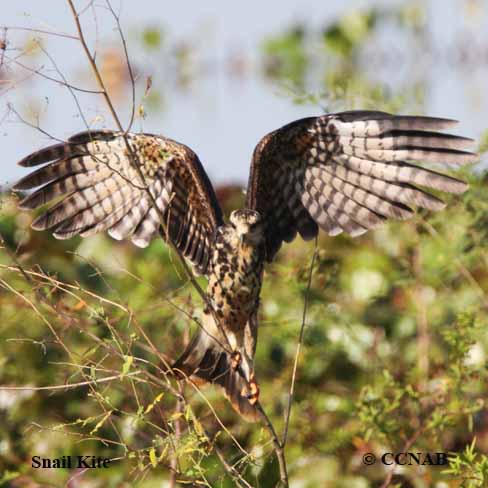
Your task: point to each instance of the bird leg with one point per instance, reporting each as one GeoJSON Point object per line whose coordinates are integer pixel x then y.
{"type": "Point", "coordinates": [251, 392]}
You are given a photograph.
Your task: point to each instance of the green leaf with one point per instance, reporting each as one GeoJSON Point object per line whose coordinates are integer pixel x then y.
{"type": "Point", "coordinates": [152, 405]}
{"type": "Point", "coordinates": [101, 422]}
{"type": "Point", "coordinates": [152, 457]}
{"type": "Point", "coordinates": [127, 364]}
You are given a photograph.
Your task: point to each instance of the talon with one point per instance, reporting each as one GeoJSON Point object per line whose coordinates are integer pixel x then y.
{"type": "Point", "coordinates": [254, 394]}
{"type": "Point", "coordinates": [236, 359]}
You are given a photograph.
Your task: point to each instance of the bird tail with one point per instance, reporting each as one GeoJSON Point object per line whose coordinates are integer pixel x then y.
{"type": "Point", "coordinates": [205, 359]}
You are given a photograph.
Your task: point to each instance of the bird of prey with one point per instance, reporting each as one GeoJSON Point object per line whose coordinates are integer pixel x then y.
{"type": "Point", "coordinates": [342, 172]}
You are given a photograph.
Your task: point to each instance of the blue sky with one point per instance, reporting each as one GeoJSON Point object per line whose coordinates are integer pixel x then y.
{"type": "Point", "coordinates": [220, 118]}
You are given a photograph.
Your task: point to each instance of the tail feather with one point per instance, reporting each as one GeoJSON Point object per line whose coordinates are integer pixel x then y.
{"type": "Point", "coordinates": [205, 359]}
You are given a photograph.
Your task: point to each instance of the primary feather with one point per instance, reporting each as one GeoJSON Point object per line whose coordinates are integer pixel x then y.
{"type": "Point", "coordinates": [350, 171]}
{"type": "Point", "coordinates": [97, 188]}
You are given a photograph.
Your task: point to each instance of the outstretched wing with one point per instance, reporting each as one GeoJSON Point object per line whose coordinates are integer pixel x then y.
{"type": "Point", "coordinates": [349, 172]}
{"type": "Point", "coordinates": [100, 190]}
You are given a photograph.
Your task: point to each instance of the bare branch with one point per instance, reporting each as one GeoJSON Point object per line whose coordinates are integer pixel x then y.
{"type": "Point", "coordinates": [69, 385]}
{"type": "Point", "coordinates": [34, 126]}
{"type": "Point", "coordinates": [40, 31]}
{"type": "Point", "coordinates": [278, 446]}
{"type": "Point", "coordinates": [47, 77]}
{"type": "Point", "coordinates": [299, 345]}
{"type": "Point", "coordinates": [68, 86]}
{"type": "Point", "coordinates": [129, 66]}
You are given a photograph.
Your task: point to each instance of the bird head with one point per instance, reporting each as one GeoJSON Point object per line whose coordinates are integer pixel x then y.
{"type": "Point", "coordinates": [248, 225]}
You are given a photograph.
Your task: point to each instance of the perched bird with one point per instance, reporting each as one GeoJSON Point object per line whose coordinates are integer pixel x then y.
{"type": "Point", "coordinates": [347, 171]}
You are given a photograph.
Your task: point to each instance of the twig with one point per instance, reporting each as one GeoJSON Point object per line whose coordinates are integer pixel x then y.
{"type": "Point", "coordinates": [34, 126]}
{"type": "Point", "coordinates": [68, 86]}
{"type": "Point", "coordinates": [236, 476]}
{"type": "Point", "coordinates": [278, 446]}
{"type": "Point", "coordinates": [299, 345]}
{"type": "Point", "coordinates": [177, 423]}
{"type": "Point", "coordinates": [42, 299]}
{"type": "Point", "coordinates": [49, 78]}
{"type": "Point", "coordinates": [40, 31]}
{"type": "Point", "coordinates": [69, 385]}
{"type": "Point", "coordinates": [129, 66]}
{"type": "Point", "coordinates": [66, 287]}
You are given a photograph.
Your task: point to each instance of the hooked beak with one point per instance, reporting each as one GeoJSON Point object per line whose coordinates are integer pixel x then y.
{"type": "Point", "coordinates": [241, 238]}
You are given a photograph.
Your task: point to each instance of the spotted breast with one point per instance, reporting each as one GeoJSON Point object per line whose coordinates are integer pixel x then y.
{"type": "Point", "coordinates": [222, 351]}
{"type": "Point", "coordinates": [235, 283]}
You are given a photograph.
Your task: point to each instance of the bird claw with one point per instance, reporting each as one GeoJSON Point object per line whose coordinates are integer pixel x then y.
{"type": "Point", "coordinates": [253, 395]}
{"type": "Point", "coordinates": [236, 360]}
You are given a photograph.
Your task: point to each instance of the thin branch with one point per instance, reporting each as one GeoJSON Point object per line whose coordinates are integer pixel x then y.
{"type": "Point", "coordinates": [129, 66]}
{"type": "Point", "coordinates": [40, 31]}
{"type": "Point", "coordinates": [68, 86]}
{"type": "Point", "coordinates": [50, 78]}
{"type": "Point", "coordinates": [34, 126]}
{"type": "Point", "coordinates": [278, 446]}
{"type": "Point", "coordinates": [299, 345]}
{"type": "Point", "coordinates": [43, 300]}
{"type": "Point", "coordinates": [66, 287]}
{"type": "Point", "coordinates": [69, 385]}
{"type": "Point", "coordinates": [235, 475]}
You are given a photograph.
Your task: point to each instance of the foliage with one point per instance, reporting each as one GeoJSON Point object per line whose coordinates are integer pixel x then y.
{"type": "Point", "coordinates": [470, 466]}
{"type": "Point", "coordinates": [362, 384]}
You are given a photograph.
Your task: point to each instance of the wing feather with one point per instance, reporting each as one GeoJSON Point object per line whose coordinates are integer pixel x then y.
{"type": "Point", "coordinates": [97, 189]}
{"type": "Point", "coordinates": [351, 171]}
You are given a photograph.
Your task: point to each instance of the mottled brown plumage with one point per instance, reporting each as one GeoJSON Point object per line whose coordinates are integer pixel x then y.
{"type": "Point", "coordinates": [344, 172]}
{"type": "Point", "coordinates": [233, 289]}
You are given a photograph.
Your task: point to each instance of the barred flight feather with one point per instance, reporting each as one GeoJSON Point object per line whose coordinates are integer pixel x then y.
{"type": "Point", "coordinates": [352, 170]}
{"type": "Point", "coordinates": [58, 169]}
{"type": "Point", "coordinates": [397, 139]}
{"type": "Point", "coordinates": [98, 189]}
{"type": "Point", "coordinates": [306, 226]}
{"type": "Point", "coordinates": [317, 211]}
{"type": "Point", "coordinates": [113, 218]}
{"type": "Point", "coordinates": [360, 213]}
{"type": "Point", "coordinates": [403, 173]}
{"type": "Point", "coordinates": [341, 178]}
{"type": "Point", "coordinates": [64, 185]}
{"type": "Point", "coordinates": [340, 209]}
{"type": "Point", "coordinates": [94, 214]}
{"type": "Point", "coordinates": [127, 226]}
